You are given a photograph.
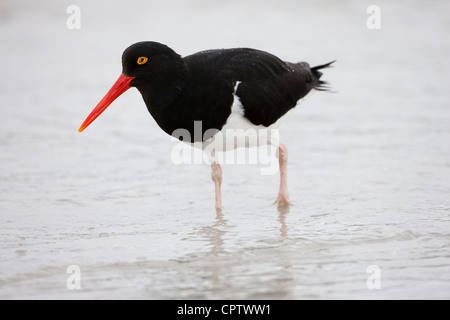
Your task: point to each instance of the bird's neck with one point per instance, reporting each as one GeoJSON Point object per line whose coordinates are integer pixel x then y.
{"type": "Point", "coordinates": [161, 98]}
{"type": "Point", "coordinates": [161, 104]}
{"type": "Point", "coordinates": [165, 89]}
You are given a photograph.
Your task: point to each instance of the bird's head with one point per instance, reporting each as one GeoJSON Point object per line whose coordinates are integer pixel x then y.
{"type": "Point", "coordinates": [148, 66]}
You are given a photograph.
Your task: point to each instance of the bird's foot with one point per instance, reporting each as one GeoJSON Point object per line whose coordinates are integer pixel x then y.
{"type": "Point", "coordinates": [283, 200]}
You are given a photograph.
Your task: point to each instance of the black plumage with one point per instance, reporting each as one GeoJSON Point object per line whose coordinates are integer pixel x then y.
{"type": "Point", "coordinates": [202, 87]}
{"type": "Point", "coordinates": [223, 90]}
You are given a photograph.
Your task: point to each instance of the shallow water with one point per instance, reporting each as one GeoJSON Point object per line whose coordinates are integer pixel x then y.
{"type": "Point", "coordinates": [369, 166]}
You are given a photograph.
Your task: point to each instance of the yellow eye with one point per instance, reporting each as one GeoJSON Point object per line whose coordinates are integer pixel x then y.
{"type": "Point", "coordinates": [142, 60]}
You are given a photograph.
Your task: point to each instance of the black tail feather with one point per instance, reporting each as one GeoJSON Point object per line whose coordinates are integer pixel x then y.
{"type": "Point", "coordinates": [320, 84]}
{"type": "Point", "coordinates": [326, 65]}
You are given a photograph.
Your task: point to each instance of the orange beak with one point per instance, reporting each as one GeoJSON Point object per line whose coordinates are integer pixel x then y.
{"type": "Point", "coordinates": [122, 84]}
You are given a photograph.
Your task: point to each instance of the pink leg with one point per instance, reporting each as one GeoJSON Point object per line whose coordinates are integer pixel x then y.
{"type": "Point", "coordinates": [216, 175]}
{"type": "Point", "coordinates": [283, 195]}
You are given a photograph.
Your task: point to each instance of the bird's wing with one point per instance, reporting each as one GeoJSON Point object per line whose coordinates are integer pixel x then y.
{"type": "Point", "coordinates": [251, 65]}
{"type": "Point", "coordinates": [268, 86]}
{"type": "Point", "coordinates": [241, 64]}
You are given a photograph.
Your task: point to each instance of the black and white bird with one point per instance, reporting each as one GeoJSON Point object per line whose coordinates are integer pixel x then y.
{"type": "Point", "coordinates": [226, 91]}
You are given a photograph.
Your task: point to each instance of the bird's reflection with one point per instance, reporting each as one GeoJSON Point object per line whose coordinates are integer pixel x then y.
{"type": "Point", "coordinates": [282, 214]}
{"type": "Point", "coordinates": [216, 234]}
{"type": "Point", "coordinates": [220, 262]}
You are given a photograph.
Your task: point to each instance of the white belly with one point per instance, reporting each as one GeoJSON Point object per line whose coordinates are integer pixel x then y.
{"type": "Point", "coordinates": [239, 132]}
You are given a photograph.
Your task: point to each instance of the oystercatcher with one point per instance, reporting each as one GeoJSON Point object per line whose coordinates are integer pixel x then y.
{"type": "Point", "coordinates": [219, 92]}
